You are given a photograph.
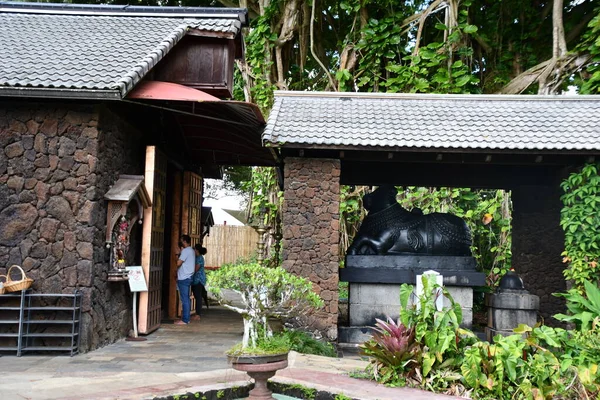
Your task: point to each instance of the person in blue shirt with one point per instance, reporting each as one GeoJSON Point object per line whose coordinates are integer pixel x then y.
{"type": "Point", "coordinates": [199, 281]}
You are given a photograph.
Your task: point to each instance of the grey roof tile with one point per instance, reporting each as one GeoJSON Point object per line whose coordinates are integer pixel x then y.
{"type": "Point", "coordinates": [434, 121]}
{"type": "Point", "coordinates": [90, 52]}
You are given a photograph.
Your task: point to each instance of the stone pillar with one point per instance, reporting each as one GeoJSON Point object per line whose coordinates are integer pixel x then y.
{"type": "Point", "coordinates": [538, 241]}
{"type": "Point", "coordinates": [311, 231]}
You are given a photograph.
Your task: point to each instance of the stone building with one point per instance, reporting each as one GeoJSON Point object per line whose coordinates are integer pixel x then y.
{"type": "Point", "coordinates": [526, 144]}
{"type": "Point", "coordinates": [95, 95]}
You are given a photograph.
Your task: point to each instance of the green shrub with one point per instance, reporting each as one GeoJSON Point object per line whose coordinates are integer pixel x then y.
{"type": "Point", "coordinates": [304, 343]}
{"type": "Point", "coordinates": [584, 309]}
{"type": "Point", "coordinates": [580, 220]}
{"type": "Point", "coordinates": [427, 349]}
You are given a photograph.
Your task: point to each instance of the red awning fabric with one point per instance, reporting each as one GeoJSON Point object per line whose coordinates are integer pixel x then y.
{"type": "Point", "coordinates": [168, 91]}
{"type": "Point", "coordinates": [216, 132]}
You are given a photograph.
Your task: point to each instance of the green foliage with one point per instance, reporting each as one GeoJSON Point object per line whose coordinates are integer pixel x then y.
{"type": "Point", "coordinates": [258, 47]}
{"type": "Point", "coordinates": [425, 340]}
{"type": "Point", "coordinates": [513, 367]}
{"type": "Point", "coordinates": [265, 292]}
{"type": "Point", "coordinates": [265, 345]}
{"type": "Point", "coordinates": [580, 221]}
{"type": "Point", "coordinates": [534, 363]}
{"type": "Point", "coordinates": [437, 332]}
{"type": "Point", "coordinates": [307, 393]}
{"type": "Point", "coordinates": [341, 396]}
{"type": "Point", "coordinates": [304, 343]}
{"type": "Point", "coordinates": [266, 200]}
{"type": "Point", "coordinates": [591, 43]}
{"type": "Point", "coordinates": [352, 213]}
{"type": "Point", "coordinates": [584, 310]}
{"type": "Point", "coordinates": [343, 290]}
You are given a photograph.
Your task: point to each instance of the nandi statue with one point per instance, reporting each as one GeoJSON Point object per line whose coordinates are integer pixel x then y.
{"type": "Point", "coordinates": [390, 229]}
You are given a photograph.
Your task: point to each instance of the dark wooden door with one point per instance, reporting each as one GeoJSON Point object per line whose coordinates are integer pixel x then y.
{"type": "Point", "coordinates": [191, 217]}
{"type": "Point", "coordinates": [192, 206]}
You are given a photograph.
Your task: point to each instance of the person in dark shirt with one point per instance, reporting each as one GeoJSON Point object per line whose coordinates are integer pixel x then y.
{"type": "Point", "coordinates": [199, 281]}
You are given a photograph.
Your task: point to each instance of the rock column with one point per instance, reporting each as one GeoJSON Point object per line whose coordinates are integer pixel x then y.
{"type": "Point", "coordinates": [311, 231]}
{"type": "Point", "coordinates": [538, 241]}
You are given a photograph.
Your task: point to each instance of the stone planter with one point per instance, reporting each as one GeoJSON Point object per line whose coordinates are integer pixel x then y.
{"type": "Point", "coordinates": [261, 369]}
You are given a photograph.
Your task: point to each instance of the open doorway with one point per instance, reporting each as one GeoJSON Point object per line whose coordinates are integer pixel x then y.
{"type": "Point", "coordinates": [169, 282]}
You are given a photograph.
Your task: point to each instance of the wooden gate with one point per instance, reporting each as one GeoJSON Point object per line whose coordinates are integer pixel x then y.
{"type": "Point", "coordinates": [153, 240]}
{"type": "Point", "coordinates": [192, 206]}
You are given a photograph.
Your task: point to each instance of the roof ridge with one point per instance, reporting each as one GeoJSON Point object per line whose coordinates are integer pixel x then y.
{"type": "Point", "coordinates": [431, 96]}
{"type": "Point", "coordinates": [426, 123]}
{"type": "Point", "coordinates": [106, 9]}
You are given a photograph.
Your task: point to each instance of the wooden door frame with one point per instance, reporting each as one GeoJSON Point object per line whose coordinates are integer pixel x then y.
{"type": "Point", "coordinates": [147, 304]}
{"type": "Point", "coordinates": [175, 234]}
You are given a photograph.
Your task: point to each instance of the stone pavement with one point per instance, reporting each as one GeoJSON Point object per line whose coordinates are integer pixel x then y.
{"type": "Point", "coordinates": [175, 360]}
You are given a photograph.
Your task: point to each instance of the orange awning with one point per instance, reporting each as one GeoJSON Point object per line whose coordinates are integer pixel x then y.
{"type": "Point", "coordinates": [216, 132]}
{"type": "Point", "coordinates": [155, 90]}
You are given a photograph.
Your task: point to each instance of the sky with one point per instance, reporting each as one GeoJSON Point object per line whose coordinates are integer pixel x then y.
{"type": "Point", "coordinates": [225, 201]}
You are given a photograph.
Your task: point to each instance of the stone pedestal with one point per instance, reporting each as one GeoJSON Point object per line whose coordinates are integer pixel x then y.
{"type": "Point", "coordinates": [510, 306]}
{"type": "Point", "coordinates": [508, 309]}
{"type": "Point", "coordinates": [374, 289]}
{"type": "Point", "coordinates": [370, 301]}
{"type": "Point", "coordinates": [261, 372]}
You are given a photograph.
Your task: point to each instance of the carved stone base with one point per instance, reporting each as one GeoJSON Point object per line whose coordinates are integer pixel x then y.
{"type": "Point", "coordinates": [457, 270]}
{"type": "Point", "coordinates": [261, 373]}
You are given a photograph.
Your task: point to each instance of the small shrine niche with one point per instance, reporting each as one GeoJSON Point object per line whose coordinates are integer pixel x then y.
{"type": "Point", "coordinates": [127, 199]}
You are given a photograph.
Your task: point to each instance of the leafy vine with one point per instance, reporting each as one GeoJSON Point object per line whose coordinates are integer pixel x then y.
{"type": "Point", "coordinates": [580, 221]}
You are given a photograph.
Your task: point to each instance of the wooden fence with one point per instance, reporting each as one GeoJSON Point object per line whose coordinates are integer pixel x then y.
{"type": "Point", "coordinates": [227, 243]}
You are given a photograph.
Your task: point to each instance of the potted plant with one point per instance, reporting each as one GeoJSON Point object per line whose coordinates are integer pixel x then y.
{"type": "Point", "coordinates": [264, 293]}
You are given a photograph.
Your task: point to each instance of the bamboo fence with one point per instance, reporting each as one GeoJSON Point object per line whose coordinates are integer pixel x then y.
{"type": "Point", "coordinates": [227, 243]}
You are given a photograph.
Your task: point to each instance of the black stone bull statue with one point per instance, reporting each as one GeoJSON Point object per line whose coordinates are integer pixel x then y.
{"type": "Point", "coordinates": [391, 229]}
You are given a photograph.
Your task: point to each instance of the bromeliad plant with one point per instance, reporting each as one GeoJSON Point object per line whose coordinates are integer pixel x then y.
{"type": "Point", "coordinates": [265, 293]}
{"type": "Point", "coordinates": [393, 351]}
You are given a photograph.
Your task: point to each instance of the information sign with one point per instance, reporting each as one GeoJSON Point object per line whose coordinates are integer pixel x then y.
{"type": "Point", "coordinates": [137, 281]}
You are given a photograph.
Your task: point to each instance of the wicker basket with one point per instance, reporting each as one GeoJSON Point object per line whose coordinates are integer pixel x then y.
{"type": "Point", "coordinates": [15, 286]}
{"type": "Point", "coordinates": [2, 290]}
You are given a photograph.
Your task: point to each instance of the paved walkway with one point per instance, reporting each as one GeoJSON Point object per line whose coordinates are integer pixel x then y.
{"type": "Point", "coordinates": [175, 360]}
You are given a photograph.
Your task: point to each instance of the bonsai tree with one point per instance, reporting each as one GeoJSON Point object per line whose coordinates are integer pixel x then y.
{"type": "Point", "coordinates": [265, 292]}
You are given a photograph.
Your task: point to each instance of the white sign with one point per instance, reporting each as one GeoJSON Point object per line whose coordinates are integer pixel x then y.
{"type": "Point", "coordinates": [137, 281]}
{"type": "Point", "coordinates": [434, 277]}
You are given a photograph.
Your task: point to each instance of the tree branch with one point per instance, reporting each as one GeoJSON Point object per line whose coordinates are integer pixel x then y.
{"type": "Point", "coordinates": [558, 30]}
{"type": "Point", "coordinates": [522, 81]}
{"type": "Point", "coordinates": [422, 18]}
{"type": "Point", "coordinates": [312, 48]}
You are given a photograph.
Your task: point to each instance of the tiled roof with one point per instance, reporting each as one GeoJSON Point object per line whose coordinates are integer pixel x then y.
{"type": "Point", "coordinates": [401, 121]}
{"type": "Point", "coordinates": [90, 53]}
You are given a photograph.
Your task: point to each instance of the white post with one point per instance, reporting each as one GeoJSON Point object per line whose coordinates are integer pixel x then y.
{"type": "Point", "coordinates": [439, 279]}
{"type": "Point", "coordinates": [135, 331]}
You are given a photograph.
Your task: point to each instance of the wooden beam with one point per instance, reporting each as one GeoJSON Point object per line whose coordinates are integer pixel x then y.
{"type": "Point", "coordinates": [440, 174]}
{"type": "Point", "coordinates": [147, 236]}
